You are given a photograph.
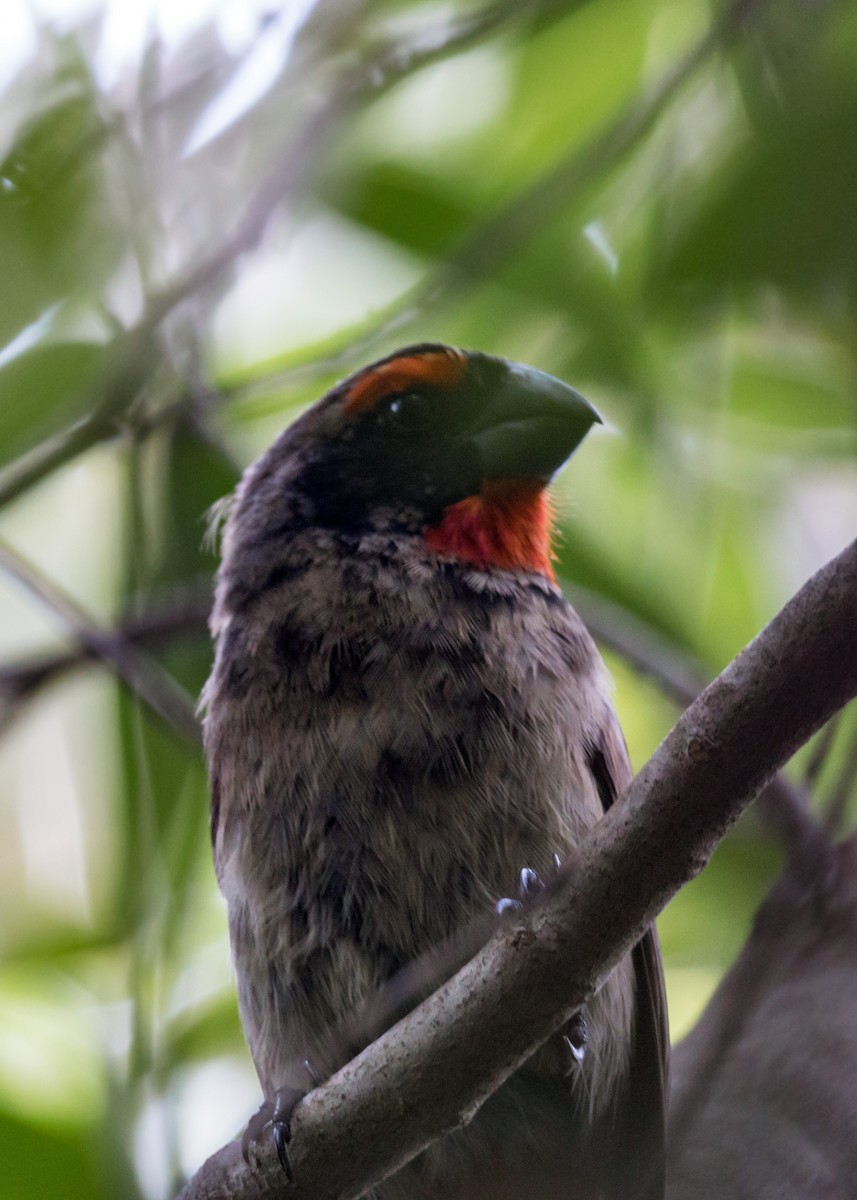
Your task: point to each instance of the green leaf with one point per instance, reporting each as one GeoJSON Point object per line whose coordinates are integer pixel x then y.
{"type": "Point", "coordinates": [209, 1030]}
{"type": "Point", "coordinates": [408, 206]}
{"type": "Point", "coordinates": [57, 234]}
{"type": "Point", "coordinates": [45, 389]}
{"type": "Point", "coordinates": [782, 212]}
{"type": "Point", "coordinates": [45, 1160]}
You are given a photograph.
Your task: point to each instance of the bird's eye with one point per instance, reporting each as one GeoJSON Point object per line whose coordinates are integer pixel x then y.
{"type": "Point", "coordinates": [407, 412]}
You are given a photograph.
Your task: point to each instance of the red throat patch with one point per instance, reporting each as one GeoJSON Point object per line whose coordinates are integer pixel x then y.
{"type": "Point", "coordinates": [509, 525]}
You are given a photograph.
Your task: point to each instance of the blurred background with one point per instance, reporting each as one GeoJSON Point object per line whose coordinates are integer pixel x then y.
{"type": "Point", "coordinates": [209, 212]}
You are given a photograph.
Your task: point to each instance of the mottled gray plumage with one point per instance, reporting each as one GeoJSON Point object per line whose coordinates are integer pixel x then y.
{"type": "Point", "coordinates": [392, 735]}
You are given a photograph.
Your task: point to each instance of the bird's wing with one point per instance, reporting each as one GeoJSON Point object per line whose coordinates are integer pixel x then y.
{"type": "Point", "coordinates": [640, 1121]}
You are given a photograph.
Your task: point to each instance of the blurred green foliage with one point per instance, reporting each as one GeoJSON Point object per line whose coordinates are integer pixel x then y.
{"type": "Point", "coordinates": [654, 199]}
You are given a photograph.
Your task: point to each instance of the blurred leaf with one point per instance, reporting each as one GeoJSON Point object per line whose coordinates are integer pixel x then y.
{"type": "Point", "coordinates": [408, 206]}
{"type": "Point", "coordinates": [711, 917]}
{"type": "Point", "coordinates": [788, 48]}
{"type": "Point", "coordinates": [193, 471]}
{"type": "Point", "coordinates": [569, 79]}
{"type": "Point", "coordinates": [45, 176]}
{"type": "Point", "coordinates": [55, 235]}
{"type": "Point", "coordinates": [197, 472]}
{"type": "Point", "coordinates": [792, 182]}
{"type": "Point", "coordinates": [42, 1160]}
{"type": "Point", "coordinates": [778, 393]}
{"type": "Point", "coordinates": [730, 613]}
{"type": "Point", "coordinates": [44, 389]}
{"type": "Point", "coordinates": [207, 1032]}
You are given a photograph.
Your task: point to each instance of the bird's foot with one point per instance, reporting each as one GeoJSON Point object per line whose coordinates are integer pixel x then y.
{"type": "Point", "coordinates": [530, 883]}
{"type": "Point", "coordinates": [277, 1117]}
{"type": "Point", "coordinates": [575, 1035]}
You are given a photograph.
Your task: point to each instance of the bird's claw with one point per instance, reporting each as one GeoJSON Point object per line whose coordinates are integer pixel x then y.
{"type": "Point", "coordinates": [286, 1099]}
{"type": "Point", "coordinates": [282, 1131]}
{"type": "Point", "coordinates": [277, 1117]}
{"type": "Point", "coordinates": [576, 1037]}
{"type": "Point", "coordinates": [530, 884]}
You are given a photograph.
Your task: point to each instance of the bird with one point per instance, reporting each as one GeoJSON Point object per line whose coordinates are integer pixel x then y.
{"type": "Point", "coordinates": [404, 714]}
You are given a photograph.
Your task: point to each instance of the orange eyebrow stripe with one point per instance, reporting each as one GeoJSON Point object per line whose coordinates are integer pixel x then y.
{"type": "Point", "coordinates": [441, 367]}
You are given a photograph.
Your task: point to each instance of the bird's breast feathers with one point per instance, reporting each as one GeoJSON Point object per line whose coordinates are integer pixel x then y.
{"type": "Point", "coordinates": [381, 666]}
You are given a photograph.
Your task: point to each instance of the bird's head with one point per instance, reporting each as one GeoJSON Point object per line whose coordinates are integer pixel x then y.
{"type": "Point", "coordinates": [454, 446]}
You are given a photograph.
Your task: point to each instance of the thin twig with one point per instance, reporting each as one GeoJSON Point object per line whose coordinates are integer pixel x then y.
{"type": "Point", "coordinates": [142, 674]}
{"type": "Point", "coordinates": [179, 616]}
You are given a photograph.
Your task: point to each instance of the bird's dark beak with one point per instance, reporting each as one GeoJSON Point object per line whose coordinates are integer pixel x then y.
{"type": "Point", "coordinates": [530, 424]}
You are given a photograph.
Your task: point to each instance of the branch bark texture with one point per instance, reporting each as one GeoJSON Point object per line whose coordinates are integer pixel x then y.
{"type": "Point", "coordinates": [432, 1071]}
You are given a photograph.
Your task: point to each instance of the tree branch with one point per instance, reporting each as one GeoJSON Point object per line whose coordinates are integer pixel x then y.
{"type": "Point", "coordinates": [430, 1072]}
